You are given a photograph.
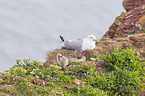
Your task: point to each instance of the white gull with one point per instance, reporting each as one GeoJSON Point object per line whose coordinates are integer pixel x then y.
{"type": "Point", "coordinates": [79, 44]}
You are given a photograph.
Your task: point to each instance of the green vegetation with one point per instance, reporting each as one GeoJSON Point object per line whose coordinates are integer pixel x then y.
{"type": "Point", "coordinates": [141, 30]}
{"type": "Point", "coordinates": [126, 73]}
{"type": "Point", "coordinates": [29, 77]}
{"type": "Point", "coordinates": [138, 31]}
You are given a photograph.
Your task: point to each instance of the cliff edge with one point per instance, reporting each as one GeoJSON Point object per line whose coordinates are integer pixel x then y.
{"type": "Point", "coordinates": [128, 30]}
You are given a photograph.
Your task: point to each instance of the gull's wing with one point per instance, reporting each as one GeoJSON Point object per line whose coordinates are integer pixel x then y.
{"type": "Point", "coordinates": [75, 44]}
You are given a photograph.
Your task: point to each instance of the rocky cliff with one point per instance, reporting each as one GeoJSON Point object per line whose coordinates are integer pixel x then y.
{"type": "Point", "coordinates": [129, 21]}
{"type": "Point", "coordinates": [128, 30]}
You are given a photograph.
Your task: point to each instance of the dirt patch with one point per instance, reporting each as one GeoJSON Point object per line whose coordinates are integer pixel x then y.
{"type": "Point", "coordinates": [100, 66]}
{"type": "Point", "coordinates": [3, 94]}
{"type": "Point", "coordinates": [66, 85]}
{"type": "Point", "coordinates": [141, 93]}
{"type": "Point", "coordinates": [51, 56]}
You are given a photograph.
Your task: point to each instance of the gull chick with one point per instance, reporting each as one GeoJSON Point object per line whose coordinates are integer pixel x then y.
{"type": "Point", "coordinates": [80, 44]}
{"type": "Point", "coordinates": [62, 61]}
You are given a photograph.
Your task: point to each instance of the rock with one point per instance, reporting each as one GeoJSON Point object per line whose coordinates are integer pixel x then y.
{"type": "Point", "coordinates": [127, 22]}
{"type": "Point", "coordinates": [131, 4]}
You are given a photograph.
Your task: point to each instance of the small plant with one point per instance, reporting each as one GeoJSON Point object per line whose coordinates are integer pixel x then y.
{"type": "Point", "coordinates": [141, 30]}
{"type": "Point", "coordinates": [133, 32]}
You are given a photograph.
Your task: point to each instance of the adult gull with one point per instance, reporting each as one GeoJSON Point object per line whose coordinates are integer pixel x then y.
{"type": "Point", "coordinates": [79, 44]}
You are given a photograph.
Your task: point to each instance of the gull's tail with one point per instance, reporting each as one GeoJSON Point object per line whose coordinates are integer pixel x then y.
{"type": "Point", "coordinates": [62, 39]}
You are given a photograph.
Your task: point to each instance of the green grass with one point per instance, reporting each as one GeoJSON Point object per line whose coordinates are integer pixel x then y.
{"type": "Point", "coordinates": [29, 77]}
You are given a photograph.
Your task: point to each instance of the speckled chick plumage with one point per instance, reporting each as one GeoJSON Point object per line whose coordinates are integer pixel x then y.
{"type": "Point", "coordinates": [62, 60]}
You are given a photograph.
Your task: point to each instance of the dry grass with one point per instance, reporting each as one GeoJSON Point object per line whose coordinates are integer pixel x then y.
{"type": "Point", "coordinates": [135, 41]}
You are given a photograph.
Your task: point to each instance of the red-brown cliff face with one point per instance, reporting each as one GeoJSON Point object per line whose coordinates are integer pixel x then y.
{"type": "Point", "coordinates": [131, 4]}
{"type": "Point", "coordinates": [128, 21]}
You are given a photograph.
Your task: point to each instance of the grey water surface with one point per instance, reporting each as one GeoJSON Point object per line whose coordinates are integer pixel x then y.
{"type": "Point", "coordinates": [30, 28]}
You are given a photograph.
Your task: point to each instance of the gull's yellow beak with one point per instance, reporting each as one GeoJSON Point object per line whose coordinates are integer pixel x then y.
{"type": "Point", "coordinates": [96, 40]}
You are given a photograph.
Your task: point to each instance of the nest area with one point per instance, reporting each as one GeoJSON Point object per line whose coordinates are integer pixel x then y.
{"type": "Point", "coordinates": [135, 41]}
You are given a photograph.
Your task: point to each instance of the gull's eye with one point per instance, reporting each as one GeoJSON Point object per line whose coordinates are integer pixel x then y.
{"type": "Point", "coordinates": [91, 37]}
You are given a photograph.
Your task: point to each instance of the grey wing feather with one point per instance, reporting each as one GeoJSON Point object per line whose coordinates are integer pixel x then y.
{"type": "Point", "coordinates": [75, 44]}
